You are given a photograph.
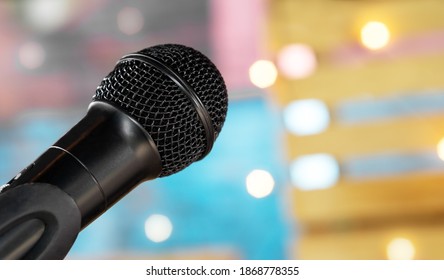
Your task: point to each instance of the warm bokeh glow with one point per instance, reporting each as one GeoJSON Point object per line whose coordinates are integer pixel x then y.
{"type": "Point", "coordinates": [375, 35]}
{"type": "Point", "coordinates": [440, 149]}
{"type": "Point", "coordinates": [296, 61]}
{"type": "Point", "coordinates": [259, 183]}
{"type": "Point", "coordinates": [263, 73]}
{"type": "Point", "coordinates": [400, 249]}
{"type": "Point", "coordinates": [158, 228]}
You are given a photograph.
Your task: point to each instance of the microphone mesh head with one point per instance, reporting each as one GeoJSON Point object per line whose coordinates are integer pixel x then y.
{"type": "Point", "coordinates": [158, 104]}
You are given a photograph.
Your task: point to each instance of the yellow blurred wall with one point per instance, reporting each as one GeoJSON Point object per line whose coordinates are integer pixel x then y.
{"type": "Point", "coordinates": [354, 219]}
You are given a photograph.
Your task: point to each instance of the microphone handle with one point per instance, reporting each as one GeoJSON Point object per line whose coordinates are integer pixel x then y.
{"type": "Point", "coordinates": [97, 162]}
{"type": "Point", "coordinates": [89, 169]}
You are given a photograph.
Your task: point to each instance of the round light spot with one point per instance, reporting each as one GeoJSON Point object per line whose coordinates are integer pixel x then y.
{"type": "Point", "coordinates": [297, 61]}
{"type": "Point", "coordinates": [130, 21]}
{"type": "Point", "coordinates": [306, 117]}
{"type": "Point", "coordinates": [47, 15]}
{"type": "Point", "coordinates": [158, 228]}
{"type": "Point", "coordinates": [263, 73]}
{"type": "Point", "coordinates": [375, 35]}
{"type": "Point", "coordinates": [440, 149]}
{"type": "Point", "coordinates": [259, 183]}
{"type": "Point", "coordinates": [400, 249]}
{"type": "Point", "coordinates": [312, 172]}
{"type": "Point", "coordinates": [31, 55]}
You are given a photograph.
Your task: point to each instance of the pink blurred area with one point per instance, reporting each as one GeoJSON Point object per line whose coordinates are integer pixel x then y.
{"type": "Point", "coordinates": [83, 46]}
{"type": "Point", "coordinates": [237, 37]}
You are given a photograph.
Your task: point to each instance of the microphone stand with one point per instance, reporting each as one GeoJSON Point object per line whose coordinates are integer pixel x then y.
{"type": "Point", "coordinates": [43, 230]}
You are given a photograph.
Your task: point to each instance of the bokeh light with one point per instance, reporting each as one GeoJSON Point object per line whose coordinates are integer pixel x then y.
{"type": "Point", "coordinates": [375, 35]}
{"type": "Point", "coordinates": [400, 249]}
{"type": "Point", "coordinates": [296, 61]}
{"type": "Point", "coordinates": [46, 15]}
{"type": "Point", "coordinates": [260, 183]}
{"type": "Point", "coordinates": [263, 73]}
{"type": "Point", "coordinates": [130, 21]}
{"type": "Point", "coordinates": [440, 149]}
{"type": "Point", "coordinates": [31, 55]}
{"type": "Point", "coordinates": [305, 117]}
{"type": "Point", "coordinates": [312, 172]}
{"type": "Point", "coordinates": [158, 228]}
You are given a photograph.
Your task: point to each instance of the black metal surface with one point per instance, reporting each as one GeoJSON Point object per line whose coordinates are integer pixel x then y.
{"type": "Point", "coordinates": [161, 107]}
{"type": "Point", "coordinates": [204, 117]}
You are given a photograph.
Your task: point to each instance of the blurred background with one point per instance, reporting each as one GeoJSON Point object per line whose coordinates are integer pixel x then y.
{"type": "Point", "coordinates": [333, 144]}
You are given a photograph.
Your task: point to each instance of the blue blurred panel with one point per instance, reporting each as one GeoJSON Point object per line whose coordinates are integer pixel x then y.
{"type": "Point", "coordinates": [207, 202]}
{"type": "Point", "coordinates": [37, 134]}
{"type": "Point", "coordinates": [26, 139]}
{"type": "Point", "coordinates": [396, 105]}
{"type": "Point", "coordinates": [101, 238]}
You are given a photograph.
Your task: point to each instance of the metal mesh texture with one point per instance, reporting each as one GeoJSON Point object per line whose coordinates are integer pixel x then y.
{"type": "Point", "coordinates": [158, 104]}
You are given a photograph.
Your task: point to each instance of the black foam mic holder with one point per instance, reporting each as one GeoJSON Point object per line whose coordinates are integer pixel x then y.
{"type": "Point", "coordinates": [37, 221]}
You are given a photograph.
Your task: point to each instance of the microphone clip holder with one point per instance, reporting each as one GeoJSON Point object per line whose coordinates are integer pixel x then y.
{"type": "Point", "coordinates": [30, 230]}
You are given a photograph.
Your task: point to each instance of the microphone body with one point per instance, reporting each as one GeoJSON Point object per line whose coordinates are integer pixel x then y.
{"type": "Point", "coordinates": [101, 159]}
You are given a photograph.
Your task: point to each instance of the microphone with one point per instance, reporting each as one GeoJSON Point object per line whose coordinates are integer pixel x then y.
{"type": "Point", "coordinates": [157, 112]}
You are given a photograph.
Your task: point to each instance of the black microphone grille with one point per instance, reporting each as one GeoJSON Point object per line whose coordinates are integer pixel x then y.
{"type": "Point", "coordinates": [177, 94]}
